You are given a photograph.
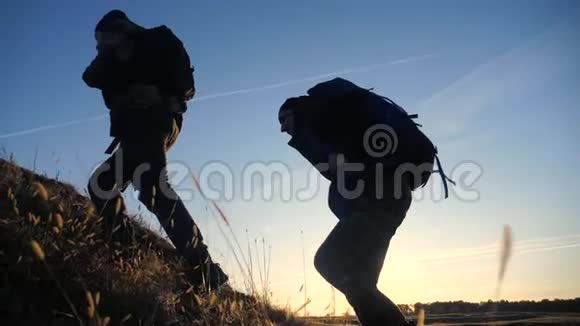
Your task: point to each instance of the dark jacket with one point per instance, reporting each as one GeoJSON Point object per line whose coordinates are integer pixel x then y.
{"type": "Point", "coordinates": [154, 59]}
{"type": "Point", "coordinates": [314, 150]}
{"type": "Point", "coordinates": [339, 127]}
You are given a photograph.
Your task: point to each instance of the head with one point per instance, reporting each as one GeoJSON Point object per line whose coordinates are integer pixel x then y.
{"type": "Point", "coordinates": [286, 115]}
{"type": "Point", "coordinates": [286, 118]}
{"type": "Point", "coordinates": [113, 29]}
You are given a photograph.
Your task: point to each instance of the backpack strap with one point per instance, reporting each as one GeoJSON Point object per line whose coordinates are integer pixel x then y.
{"type": "Point", "coordinates": [113, 145]}
{"type": "Point", "coordinates": [439, 170]}
{"type": "Point", "coordinates": [444, 177]}
{"type": "Point", "coordinates": [412, 117]}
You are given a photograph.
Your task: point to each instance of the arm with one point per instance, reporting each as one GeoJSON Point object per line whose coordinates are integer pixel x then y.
{"type": "Point", "coordinates": [314, 150]}
{"type": "Point", "coordinates": [103, 72]}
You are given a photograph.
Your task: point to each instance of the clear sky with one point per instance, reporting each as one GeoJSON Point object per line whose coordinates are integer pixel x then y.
{"type": "Point", "coordinates": [496, 85]}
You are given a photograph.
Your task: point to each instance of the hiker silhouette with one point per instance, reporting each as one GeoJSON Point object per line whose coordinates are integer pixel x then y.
{"type": "Point", "coordinates": [146, 79]}
{"type": "Point", "coordinates": [374, 155]}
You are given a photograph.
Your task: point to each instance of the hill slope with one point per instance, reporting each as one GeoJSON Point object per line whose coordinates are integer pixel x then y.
{"type": "Point", "coordinates": [57, 269]}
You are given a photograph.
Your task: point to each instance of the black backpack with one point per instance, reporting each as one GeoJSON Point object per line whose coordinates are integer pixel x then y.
{"type": "Point", "coordinates": [366, 125]}
{"type": "Point", "coordinates": [164, 60]}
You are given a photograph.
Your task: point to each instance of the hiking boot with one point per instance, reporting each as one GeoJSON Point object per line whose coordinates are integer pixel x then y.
{"type": "Point", "coordinates": [217, 277]}
{"type": "Point", "coordinates": [204, 273]}
{"type": "Point", "coordinates": [123, 232]}
{"type": "Point", "coordinates": [207, 277]}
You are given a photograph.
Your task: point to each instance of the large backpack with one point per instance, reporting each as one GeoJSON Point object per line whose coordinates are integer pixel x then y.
{"type": "Point", "coordinates": [164, 60]}
{"type": "Point", "coordinates": [161, 60]}
{"type": "Point", "coordinates": [366, 125]}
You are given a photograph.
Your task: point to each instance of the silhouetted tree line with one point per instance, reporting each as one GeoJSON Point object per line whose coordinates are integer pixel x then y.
{"type": "Point", "coordinates": [556, 305]}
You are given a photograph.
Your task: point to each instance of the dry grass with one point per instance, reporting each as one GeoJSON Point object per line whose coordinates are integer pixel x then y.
{"type": "Point", "coordinates": [56, 268]}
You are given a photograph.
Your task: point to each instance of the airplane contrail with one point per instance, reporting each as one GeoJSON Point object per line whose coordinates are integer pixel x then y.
{"type": "Point", "coordinates": [520, 247]}
{"type": "Point", "coordinates": [317, 77]}
{"type": "Point", "coordinates": [240, 91]}
{"type": "Point", "coordinates": [53, 126]}
{"type": "Point", "coordinates": [523, 244]}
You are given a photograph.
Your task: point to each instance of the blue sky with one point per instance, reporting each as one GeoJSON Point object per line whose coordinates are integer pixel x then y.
{"type": "Point", "coordinates": [494, 82]}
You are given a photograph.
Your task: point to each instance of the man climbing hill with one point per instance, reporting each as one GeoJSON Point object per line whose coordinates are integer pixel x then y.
{"type": "Point", "coordinates": [146, 79]}
{"type": "Point", "coordinates": [374, 155]}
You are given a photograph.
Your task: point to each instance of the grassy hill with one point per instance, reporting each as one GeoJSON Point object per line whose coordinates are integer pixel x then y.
{"type": "Point", "coordinates": [56, 268]}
